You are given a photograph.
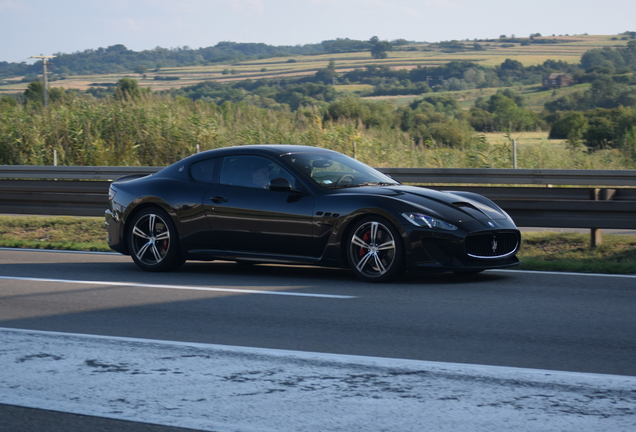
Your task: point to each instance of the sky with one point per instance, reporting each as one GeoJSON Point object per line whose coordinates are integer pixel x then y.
{"type": "Point", "coordinates": [34, 27]}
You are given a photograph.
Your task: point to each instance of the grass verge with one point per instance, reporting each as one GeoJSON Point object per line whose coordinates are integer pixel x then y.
{"type": "Point", "coordinates": [547, 250]}
{"type": "Point", "coordinates": [54, 232]}
{"type": "Point", "coordinates": [571, 252]}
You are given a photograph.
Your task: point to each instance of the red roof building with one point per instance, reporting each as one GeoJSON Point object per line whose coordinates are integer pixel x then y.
{"type": "Point", "coordinates": [557, 80]}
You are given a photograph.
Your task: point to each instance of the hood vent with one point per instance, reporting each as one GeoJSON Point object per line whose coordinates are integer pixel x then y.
{"type": "Point", "coordinates": [465, 205]}
{"type": "Point", "coordinates": [472, 210]}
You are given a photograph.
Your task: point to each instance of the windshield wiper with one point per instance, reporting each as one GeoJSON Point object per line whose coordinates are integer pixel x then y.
{"type": "Point", "coordinates": [377, 184]}
{"type": "Point", "coordinates": [363, 184]}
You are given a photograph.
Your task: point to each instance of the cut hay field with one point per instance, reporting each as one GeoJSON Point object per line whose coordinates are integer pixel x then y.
{"type": "Point", "coordinates": [569, 50]}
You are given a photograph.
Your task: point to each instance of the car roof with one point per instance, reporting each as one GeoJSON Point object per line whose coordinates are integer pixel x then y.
{"type": "Point", "coordinates": [272, 150]}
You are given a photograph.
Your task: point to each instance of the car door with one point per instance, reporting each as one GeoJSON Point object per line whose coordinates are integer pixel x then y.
{"type": "Point", "coordinates": [188, 202]}
{"type": "Point", "coordinates": [246, 216]}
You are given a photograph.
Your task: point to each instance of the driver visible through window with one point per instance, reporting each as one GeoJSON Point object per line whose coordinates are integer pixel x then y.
{"type": "Point", "coordinates": [251, 171]}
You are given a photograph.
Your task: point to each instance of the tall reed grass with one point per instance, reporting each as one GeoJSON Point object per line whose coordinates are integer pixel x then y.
{"type": "Point", "coordinates": [157, 130]}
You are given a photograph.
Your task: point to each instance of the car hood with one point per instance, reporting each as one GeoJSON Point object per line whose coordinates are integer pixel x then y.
{"type": "Point", "coordinates": [448, 206]}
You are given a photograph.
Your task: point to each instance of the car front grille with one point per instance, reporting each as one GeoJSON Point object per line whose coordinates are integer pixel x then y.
{"type": "Point", "coordinates": [492, 245]}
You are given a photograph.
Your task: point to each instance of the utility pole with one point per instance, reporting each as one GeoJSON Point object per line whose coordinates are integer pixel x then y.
{"type": "Point", "coordinates": [44, 77]}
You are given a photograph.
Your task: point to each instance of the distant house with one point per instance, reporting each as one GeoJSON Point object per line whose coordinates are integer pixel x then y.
{"type": "Point", "coordinates": [557, 80]}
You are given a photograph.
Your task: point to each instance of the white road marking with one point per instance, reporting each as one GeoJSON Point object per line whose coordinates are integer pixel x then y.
{"type": "Point", "coordinates": [494, 270]}
{"type": "Point", "coordinates": [178, 287]}
{"type": "Point", "coordinates": [226, 388]}
{"type": "Point", "coordinates": [59, 251]}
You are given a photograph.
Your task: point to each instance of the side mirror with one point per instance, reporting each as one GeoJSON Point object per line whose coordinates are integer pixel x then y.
{"type": "Point", "coordinates": [280, 184]}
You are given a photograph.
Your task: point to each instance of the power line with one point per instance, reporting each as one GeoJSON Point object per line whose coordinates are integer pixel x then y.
{"type": "Point", "coordinates": [46, 92]}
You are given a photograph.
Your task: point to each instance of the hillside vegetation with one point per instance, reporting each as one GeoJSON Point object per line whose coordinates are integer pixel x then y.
{"type": "Point", "coordinates": [403, 104]}
{"type": "Point", "coordinates": [229, 61]}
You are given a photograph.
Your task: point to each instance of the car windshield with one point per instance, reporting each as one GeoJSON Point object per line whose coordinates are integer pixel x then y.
{"type": "Point", "coordinates": [334, 170]}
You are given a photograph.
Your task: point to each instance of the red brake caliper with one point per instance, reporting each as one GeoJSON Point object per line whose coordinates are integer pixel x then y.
{"type": "Point", "coordinates": [365, 238]}
{"type": "Point", "coordinates": [164, 244]}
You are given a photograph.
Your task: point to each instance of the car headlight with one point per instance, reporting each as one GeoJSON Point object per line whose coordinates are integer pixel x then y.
{"type": "Point", "coordinates": [422, 220]}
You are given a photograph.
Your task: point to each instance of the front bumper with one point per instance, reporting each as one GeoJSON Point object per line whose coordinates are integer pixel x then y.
{"type": "Point", "coordinates": [115, 236]}
{"type": "Point", "coordinates": [437, 251]}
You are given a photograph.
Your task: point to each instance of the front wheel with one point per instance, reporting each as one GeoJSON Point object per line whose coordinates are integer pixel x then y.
{"type": "Point", "coordinates": [153, 241]}
{"type": "Point", "coordinates": [374, 250]}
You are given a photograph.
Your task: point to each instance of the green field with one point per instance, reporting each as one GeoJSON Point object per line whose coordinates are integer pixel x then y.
{"type": "Point", "coordinates": [570, 50]}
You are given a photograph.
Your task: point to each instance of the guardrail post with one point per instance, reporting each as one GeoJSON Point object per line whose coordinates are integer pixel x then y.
{"type": "Point", "coordinates": [596, 235]}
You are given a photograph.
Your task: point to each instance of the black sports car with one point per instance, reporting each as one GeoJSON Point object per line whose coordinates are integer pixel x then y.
{"type": "Point", "coordinates": [303, 205]}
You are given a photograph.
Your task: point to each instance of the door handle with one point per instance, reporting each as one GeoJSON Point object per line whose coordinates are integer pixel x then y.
{"type": "Point", "coordinates": [218, 199]}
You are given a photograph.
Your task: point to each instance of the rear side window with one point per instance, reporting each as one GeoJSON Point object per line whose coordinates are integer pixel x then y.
{"type": "Point", "coordinates": [252, 171]}
{"type": "Point", "coordinates": [205, 171]}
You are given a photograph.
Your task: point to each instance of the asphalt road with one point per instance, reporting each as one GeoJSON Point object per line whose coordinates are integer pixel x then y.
{"type": "Point", "coordinates": [533, 320]}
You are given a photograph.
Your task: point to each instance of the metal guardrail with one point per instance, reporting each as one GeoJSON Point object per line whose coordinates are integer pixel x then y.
{"type": "Point", "coordinates": [622, 178]}
{"type": "Point", "coordinates": [50, 197]}
{"type": "Point", "coordinates": [32, 190]}
{"type": "Point", "coordinates": [40, 172]}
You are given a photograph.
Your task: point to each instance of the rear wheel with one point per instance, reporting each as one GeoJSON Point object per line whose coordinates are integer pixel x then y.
{"type": "Point", "coordinates": [153, 241]}
{"type": "Point", "coordinates": [374, 250]}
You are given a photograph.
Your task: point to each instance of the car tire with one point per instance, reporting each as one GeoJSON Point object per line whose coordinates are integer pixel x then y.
{"type": "Point", "coordinates": [153, 241]}
{"type": "Point", "coordinates": [374, 250]}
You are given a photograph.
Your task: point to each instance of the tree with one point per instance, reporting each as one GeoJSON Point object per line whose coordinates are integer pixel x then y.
{"type": "Point", "coordinates": [601, 131]}
{"type": "Point", "coordinates": [57, 94]}
{"type": "Point", "coordinates": [571, 127]}
{"type": "Point", "coordinates": [118, 49]}
{"type": "Point", "coordinates": [603, 92]}
{"type": "Point", "coordinates": [34, 92]}
{"type": "Point", "coordinates": [508, 113]}
{"type": "Point", "coordinates": [141, 69]}
{"type": "Point", "coordinates": [127, 88]}
{"type": "Point", "coordinates": [327, 75]}
{"type": "Point", "coordinates": [380, 48]}
{"type": "Point", "coordinates": [509, 64]}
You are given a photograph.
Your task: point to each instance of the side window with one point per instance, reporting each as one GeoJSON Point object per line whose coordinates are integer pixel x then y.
{"type": "Point", "coordinates": [205, 171]}
{"type": "Point", "coordinates": [251, 171]}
